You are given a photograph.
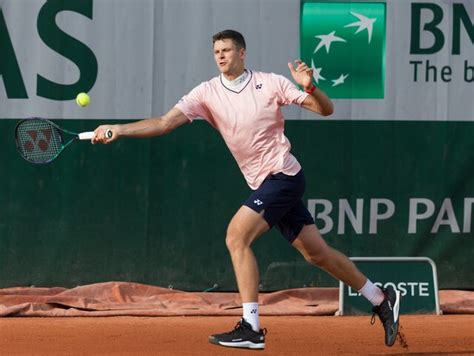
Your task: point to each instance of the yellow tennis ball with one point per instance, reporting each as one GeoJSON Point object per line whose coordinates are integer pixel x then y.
{"type": "Point", "coordinates": [82, 99]}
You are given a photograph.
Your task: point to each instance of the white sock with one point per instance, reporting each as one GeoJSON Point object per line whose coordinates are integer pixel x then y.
{"type": "Point", "coordinates": [372, 293]}
{"type": "Point", "coordinates": [251, 315]}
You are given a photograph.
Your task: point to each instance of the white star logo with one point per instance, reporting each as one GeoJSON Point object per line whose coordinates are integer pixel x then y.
{"type": "Point", "coordinates": [326, 41]}
{"type": "Point", "coordinates": [339, 80]}
{"type": "Point", "coordinates": [316, 72]}
{"type": "Point", "coordinates": [364, 23]}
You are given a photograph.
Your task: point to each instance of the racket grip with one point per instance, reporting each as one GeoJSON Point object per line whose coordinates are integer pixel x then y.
{"type": "Point", "coordinates": [86, 135]}
{"type": "Point", "coordinates": [109, 133]}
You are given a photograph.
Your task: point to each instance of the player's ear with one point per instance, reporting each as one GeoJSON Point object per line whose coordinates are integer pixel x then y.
{"type": "Point", "coordinates": [242, 53]}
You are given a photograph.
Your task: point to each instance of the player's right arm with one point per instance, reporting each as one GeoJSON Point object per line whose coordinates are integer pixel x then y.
{"type": "Point", "coordinates": [142, 129]}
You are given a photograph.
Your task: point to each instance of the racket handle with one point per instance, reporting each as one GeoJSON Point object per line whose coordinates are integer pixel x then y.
{"type": "Point", "coordinates": [86, 135]}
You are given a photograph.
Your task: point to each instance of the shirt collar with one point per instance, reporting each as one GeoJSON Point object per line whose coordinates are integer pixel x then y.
{"type": "Point", "coordinates": [238, 83]}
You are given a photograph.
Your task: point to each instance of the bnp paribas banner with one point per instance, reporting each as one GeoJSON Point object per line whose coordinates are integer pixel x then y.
{"type": "Point", "coordinates": [386, 60]}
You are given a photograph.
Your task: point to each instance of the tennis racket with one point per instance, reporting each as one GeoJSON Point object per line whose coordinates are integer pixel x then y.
{"type": "Point", "coordinates": [41, 141]}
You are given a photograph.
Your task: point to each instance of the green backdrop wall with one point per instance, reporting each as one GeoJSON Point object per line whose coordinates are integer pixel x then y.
{"type": "Point", "coordinates": [155, 210]}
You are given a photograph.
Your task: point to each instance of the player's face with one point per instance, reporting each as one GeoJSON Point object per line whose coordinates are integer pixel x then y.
{"type": "Point", "coordinates": [229, 60]}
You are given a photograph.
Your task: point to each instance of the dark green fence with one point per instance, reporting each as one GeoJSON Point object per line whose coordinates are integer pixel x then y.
{"type": "Point", "coordinates": [155, 211]}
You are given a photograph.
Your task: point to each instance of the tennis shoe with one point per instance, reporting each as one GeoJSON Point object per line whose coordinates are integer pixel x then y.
{"type": "Point", "coordinates": [242, 336]}
{"type": "Point", "coordinates": [388, 313]}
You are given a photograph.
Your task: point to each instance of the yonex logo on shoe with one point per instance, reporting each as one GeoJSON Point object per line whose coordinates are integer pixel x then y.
{"type": "Point", "coordinates": [344, 44]}
{"type": "Point", "coordinates": [258, 86]}
{"type": "Point", "coordinates": [258, 202]}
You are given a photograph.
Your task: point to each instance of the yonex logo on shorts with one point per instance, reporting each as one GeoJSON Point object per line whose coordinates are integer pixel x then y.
{"type": "Point", "coordinates": [253, 311]}
{"type": "Point", "coordinates": [258, 202]}
{"type": "Point", "coordinates": [344, 43]}
{"type": "Point", "coordinates": [258, 86]}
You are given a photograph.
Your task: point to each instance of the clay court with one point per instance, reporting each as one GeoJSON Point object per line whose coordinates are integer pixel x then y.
{"type": "Point", "coordinates": [132, 318]}
{"type": "Point", "coordinates": [292, 335]}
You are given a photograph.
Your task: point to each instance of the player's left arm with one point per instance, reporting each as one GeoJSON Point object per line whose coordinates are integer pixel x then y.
{"type": "Point", "coordinates": [317, 101]}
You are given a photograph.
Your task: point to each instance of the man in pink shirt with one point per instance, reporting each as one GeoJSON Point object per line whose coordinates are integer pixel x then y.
{"type": "Point", "coordinates": [245, 107]}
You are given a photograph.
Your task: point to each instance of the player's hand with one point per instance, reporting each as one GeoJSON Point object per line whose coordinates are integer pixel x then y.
{"type": "Point", "coordinates": [105, 134]}
{"type": "Point", "coordinates": [302, 74]}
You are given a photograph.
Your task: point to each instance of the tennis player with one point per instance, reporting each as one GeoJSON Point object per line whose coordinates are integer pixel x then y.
{"type": "Point", "coordinates": [245, 107]}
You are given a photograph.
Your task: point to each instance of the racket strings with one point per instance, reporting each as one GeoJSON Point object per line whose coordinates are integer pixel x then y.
{"type": "Point", "coordinates": [38, 141]}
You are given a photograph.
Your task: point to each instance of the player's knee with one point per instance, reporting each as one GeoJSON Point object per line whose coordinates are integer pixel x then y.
{"type": "Point", "coordinates": [234, 242]}
{"type": "Point", "coordinates": [319, 259]}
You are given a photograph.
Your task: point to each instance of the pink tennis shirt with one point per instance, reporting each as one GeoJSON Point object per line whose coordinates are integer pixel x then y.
{"type": "Point", "coordinates": [250, 121]}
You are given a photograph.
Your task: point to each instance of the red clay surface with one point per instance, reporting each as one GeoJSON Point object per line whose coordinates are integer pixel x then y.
{"type": "Point", "coordinates": [293, 335]}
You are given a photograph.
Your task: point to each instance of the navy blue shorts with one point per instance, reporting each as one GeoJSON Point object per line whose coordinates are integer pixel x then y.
{"type": "Point", "coordinates": [279, 197]}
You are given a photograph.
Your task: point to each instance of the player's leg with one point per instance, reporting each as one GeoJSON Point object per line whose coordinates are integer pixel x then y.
{"type": "Point", "coordinates": [245, 227]}
{"type": "Point", "coordinates": [317, 252]}
{"type": "Point", "coordinates": [264, 207]}
{"type": "Point", "coordinates": [386, 301]}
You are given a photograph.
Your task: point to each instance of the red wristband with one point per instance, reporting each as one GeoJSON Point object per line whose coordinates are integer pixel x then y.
{"type": "Point", "coordinates": [311, 90]}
